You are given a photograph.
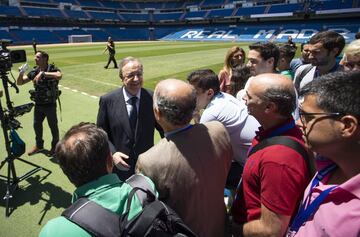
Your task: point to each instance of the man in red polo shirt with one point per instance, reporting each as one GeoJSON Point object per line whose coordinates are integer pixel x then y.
{"type": "Point", "coordinates": [274, 177]}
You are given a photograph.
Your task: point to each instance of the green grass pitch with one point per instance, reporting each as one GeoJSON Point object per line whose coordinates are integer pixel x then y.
{"type": "Point", "coordinates": [84, 80]}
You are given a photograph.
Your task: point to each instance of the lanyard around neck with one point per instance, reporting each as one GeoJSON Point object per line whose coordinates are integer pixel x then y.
{"type": "Point", "coordinates": [306, 211]}
{"type": "Point", "coordinates": [166, 134]}
{"type": "Point", "coordinates": [282, 129]}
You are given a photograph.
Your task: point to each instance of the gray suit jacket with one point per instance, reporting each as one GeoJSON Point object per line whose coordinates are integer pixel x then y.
{"type": "Point", "coordinates": [189, 170]}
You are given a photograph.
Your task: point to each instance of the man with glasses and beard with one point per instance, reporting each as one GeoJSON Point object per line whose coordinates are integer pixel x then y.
{"type": "Point", "coordinates": [126, 114]}
{"type": "Point", "coordinates": [329, 120]}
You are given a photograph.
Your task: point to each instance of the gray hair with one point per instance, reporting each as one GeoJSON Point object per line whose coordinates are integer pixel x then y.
{"type": "Point", "coordinates": [176, 111]}
{"type": "Point", "coordinates": [283, 97]}
{"type": "Point", "coordinates": [125, 61]}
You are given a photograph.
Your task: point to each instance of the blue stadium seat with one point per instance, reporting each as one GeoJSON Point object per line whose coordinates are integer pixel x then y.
{"type": "Point", "coordinates": [130, 5]}
{"type": "Point", "coordinates": [167, 16]}
{"type": "Point", "coordinates": [66, 1]}
{"type": "Point", "coordinates": [104, 15]}
{"type": "Point", "coordinates": [220, 13]}
{"type": "Point", "coordinates": [89, 3]}
{"type": "Point", "coordinates": [195, 14]}
{"type": "Point", "coordinates": [192, 3]}
{"type": "Point", "coordinates": [154, 5]}
{"type": "Point", "coordinates": [247, 11]}
{"type": "Point", "coordinates": [43, 12]}
{"type": "Point", "coordinates": [280, 8]}
{"type": "Point", "coordinates": [213, 3]}
{"type": "Point", "coordinates": [76, 14]}
{"type": "Point", "coordinates": [10, 11]}
{"type": "Point", "coordinates": [42, 36]}
{"type": "Point", "coordinates": [135, 17]}
{"type": "Point", "coordinates": [4, 34]}
{"type": "Point", "coordinates": [37, 1]}
{"type": "Point", "coordinates": [330, 4]}
{"type": "Point", "coordinates": [131, 33]}
{"type": "Point", "coordinates": [112, 4]}
{"type": "Point", "coordinates": [173, 5]}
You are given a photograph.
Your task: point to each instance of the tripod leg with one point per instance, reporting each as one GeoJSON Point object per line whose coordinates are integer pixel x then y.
{"type": "Point", "coordinates": [12, 181]}
{"type": "Point", "coordinates": [11, 185]}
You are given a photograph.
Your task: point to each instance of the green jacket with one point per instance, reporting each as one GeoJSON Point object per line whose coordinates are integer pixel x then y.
{"type": "Point", "coordinates": [108, 191]}
{"type": "Point", "coordinates": [288, 73]}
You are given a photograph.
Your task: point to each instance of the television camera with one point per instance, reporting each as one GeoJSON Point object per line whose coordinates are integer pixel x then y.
{"type": "Point", "coordinates": [8, 58]}
{"type": "Point", "coordinates": [9, 123]}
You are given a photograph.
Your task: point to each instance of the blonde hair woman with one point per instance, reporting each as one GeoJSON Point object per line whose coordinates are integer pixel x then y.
{"type": "Point", "coordinates": [234, 57]}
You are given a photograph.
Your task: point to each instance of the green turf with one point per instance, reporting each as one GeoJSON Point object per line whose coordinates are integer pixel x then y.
{"type": "Point", "coordinates": [41, 198]}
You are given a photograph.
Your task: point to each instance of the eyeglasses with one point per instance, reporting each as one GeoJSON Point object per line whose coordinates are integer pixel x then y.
{"type": "Point", "coordinates": [305, 118]}
{"type": "Point", "coordinates": [134, 74]}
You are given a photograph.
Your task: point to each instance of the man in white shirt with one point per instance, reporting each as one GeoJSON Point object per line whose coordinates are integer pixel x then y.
{"type": "Point", "coordinates": [225, 108]}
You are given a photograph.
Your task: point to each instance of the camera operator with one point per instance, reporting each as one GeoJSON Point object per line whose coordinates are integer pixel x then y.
{"type": "Point", "coordinates": [45, 78]}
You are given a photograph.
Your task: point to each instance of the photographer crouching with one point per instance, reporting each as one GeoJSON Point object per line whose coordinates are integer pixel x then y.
{"type": "Point", "coordinates": [45, 78]}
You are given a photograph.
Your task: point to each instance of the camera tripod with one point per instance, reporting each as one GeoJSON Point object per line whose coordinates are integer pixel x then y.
{"type": "Point", "coordinates": [8, 122]}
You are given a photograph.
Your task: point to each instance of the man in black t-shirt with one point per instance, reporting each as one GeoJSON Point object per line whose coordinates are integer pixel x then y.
{"type": "Point", "coordinates": [110, 46]}
{"type": "Point", "coordinates": [45, 78]}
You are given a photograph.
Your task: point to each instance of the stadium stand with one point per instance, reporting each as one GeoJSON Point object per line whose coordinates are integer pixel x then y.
{"type": "Point", "coordinates": [218, 13]}
{"type": "Point", "coordinates": [168, 16]}
{"type": "Point", "coordinates": [51, 21]}
{"type": "Point", "coordinates": [10, 11]}
{"type": "Point", "coordinates": [42, 12]}
{"type": "Point", "coordinates": [135, 17]}
{"type": "Point", "coordinates": [90, 3]}
{"type": "Point", "coordinates": [195, 15]}
{"type": "Point", "coordinates": [76, 14]}
{"type": "Point", "coordinates": [130, 5]}
{"type": "Point", "coordinates": [247, 11]}
{"type": "Point", "coordinates": [37, 1]}
{"type": "Point", "coordinates": [108, 16]}
{"type": "Point", "coordinates": [281, 8]}
{"type": "Point", "coordinates": [66, 1]}
{"type": "Point", "coordinates": [212, 3]}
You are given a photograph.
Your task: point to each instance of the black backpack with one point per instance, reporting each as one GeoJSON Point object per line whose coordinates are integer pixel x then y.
{"type": "Point", "coordinates": [155, 220]}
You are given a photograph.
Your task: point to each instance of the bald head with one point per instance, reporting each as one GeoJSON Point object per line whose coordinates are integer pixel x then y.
{"type": "Point", "coordinates": [272, 80]}
{"type": "Point", "coordinates": [175, 100]}
{"type": "Point", "coordinates": [275, 88]}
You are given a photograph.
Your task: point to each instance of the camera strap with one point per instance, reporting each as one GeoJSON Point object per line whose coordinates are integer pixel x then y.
{"type": "Point", "coordinates": [58, 99]}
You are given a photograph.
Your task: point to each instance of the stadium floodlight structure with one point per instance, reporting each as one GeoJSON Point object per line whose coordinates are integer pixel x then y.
{"type": "Point", "coordinates": [79, 38]}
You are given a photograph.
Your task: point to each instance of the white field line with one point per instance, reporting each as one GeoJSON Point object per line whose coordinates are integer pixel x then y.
{"type": "Point", "coordinates": [76, 91]}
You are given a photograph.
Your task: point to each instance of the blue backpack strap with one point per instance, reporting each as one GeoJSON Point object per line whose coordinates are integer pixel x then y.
{"type": "Point", "coordinates": [93, 218]}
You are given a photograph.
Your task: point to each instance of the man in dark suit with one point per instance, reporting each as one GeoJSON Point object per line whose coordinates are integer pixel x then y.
{"type": "Point", "coordinates": [127, 116]}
